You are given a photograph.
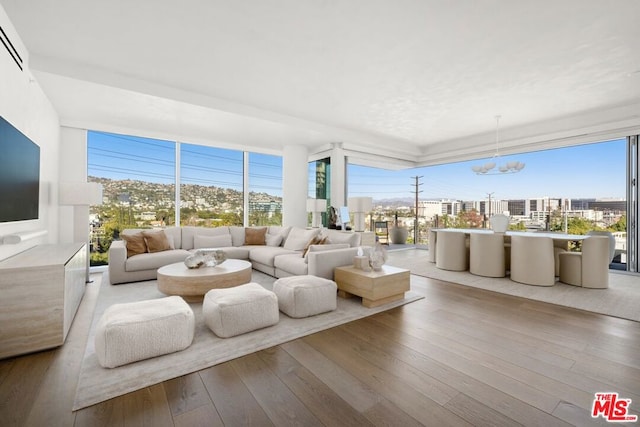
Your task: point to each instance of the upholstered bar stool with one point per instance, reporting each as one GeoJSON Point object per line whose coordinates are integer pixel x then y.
{"type": "Point", "coordinates": [589, 268]}
{"type": "Point", "coordinates": [431, 254]}
{"type": "Point", "coordinates": [486, 257]}
{"type": "Point", "coordinates": [451, 251]}
{"type": "Point", "coordinates": [532, 260]}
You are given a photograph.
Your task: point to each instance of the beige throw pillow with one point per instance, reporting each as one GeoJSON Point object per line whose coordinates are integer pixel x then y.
{"type": "Point", "coordinates": [255, 236]}
{"type": "Point", "coordinates": [135, 244]}
{"type": "Point", "coordinates": [317, 240]}
{"type": "Point", "coordinates": [156, 241]}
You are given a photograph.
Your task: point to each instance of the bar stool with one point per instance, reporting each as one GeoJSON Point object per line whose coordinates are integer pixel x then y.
{"type": "Point", "coordinates": [532, 260]}
{"type": "Point", "coordinates": [451, 251]}
{"type": "Point", "coordinates": [589, 268]}
{"type": "Point", "coordinates": [487, 256]}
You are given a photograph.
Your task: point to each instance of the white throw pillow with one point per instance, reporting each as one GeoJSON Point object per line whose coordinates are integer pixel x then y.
{"type": "Point", "coordinates": [299, 237]}
{"type": "Point", "coordinates": [200, 242]}
{"type": "Point", "coordinates": [273, 239]}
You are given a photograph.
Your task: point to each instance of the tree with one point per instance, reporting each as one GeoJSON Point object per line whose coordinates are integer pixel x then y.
{"type": "Point", "coordinates": [517, 227]}
{"type": "Point", "coordinates": [621, 225]}
{"type": "Point", "coordinates": [579, 225]}
{"type": "Point", "coordinates": [447, 221]}
{"type": "Point", "coordinates": [470, 219]}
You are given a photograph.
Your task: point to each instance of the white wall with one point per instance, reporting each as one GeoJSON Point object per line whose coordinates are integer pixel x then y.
{"type": "Point", "coordinates": [294, 185]}
{"type": "Point", "coordinates": [26, 107]}
{"type": "Point", "coordinates": [74, 220]}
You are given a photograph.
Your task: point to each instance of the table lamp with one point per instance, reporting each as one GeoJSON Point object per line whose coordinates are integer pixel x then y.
{"type": "Point", "coordinates": [359, 206]}
{"type": "Point", "coordinates": [316, 207]}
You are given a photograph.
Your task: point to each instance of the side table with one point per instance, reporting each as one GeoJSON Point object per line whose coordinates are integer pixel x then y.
{"type": "Point", "coordinates": [375, 287]}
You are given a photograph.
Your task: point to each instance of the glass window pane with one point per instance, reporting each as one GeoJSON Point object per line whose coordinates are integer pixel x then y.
{"type": "Point", "coordinates": [265, 189]}
{"type": "Point", "coordinates": [572, 189]}
{"type": "Point", "coordinates": [138, 178]}
{"type": "Point", "coordinates": [210, 186]}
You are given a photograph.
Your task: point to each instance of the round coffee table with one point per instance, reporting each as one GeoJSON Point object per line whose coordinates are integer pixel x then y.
{"type": "Point", "coordinates": [192, 284]}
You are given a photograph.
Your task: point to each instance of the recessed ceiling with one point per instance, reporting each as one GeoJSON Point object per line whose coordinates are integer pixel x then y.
{"type": "Point", "coordinates": [414, 80]}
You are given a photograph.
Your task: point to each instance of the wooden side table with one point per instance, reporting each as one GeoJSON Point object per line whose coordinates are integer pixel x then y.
{"type": "Point", "coordinates": [375, 287]}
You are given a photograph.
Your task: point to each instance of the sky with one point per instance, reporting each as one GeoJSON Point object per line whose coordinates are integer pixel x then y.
{"type": "Point", "coordinates": [584, 171]}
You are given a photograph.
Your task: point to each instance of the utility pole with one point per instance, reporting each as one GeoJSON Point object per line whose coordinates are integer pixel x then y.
{"type": "Point", "coordinates": [489, 216]}
{"type": "Point", "coordinates": [415, 223]}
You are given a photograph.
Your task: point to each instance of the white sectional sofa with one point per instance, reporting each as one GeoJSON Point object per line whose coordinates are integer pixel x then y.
{"type": "Point", "coordinates": [280, 255]}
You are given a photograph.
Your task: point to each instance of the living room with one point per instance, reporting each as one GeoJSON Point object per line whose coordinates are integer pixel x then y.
{"type": "Point", "coordinates": [65, 78]}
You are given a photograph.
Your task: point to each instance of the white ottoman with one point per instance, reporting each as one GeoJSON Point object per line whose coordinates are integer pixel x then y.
{"type": "Point", "coordinates": [139, 330]}
{"type": "Point", "coordinates": [304, 296]}
{"type": "Point", "coordinates": [233, 311]}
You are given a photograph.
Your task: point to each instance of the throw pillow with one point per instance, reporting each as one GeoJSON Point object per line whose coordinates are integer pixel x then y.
{"type": "Point", "coordinates": [156, 241]}
{"type": "Point", "coordinates": [317, 240]}
{"type": "Point", "coordinates": [255, 236]}
{"type": "Point", "coordinates": [135, 244]}
{"type": "Point", "coordinates": [200, 242]}
{"type": "Point", "coordinates": [298, 238]}
{"type": "Point", "coordinates": [273, 239]}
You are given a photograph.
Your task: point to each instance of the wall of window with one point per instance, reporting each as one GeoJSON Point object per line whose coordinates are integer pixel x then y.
{"type": "Point", "coordinates": [215, 187]}
{"type": "Point", "coordinates": [211, 186]}
{"type": "Point", "coordinates": [265, 189]}
{"type": "Point", "coordinates": [572, 189]}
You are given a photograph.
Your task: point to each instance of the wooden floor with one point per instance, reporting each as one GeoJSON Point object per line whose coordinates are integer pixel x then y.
{"type": "Point", "coordinates": [461, 356]}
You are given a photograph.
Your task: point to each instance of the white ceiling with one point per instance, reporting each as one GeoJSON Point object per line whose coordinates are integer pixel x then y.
{"type": "Point", "coordinates": [419, 81]}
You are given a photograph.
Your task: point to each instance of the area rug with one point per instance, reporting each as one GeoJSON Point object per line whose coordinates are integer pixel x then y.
{"type": "Point", "coordinates": [97, 384]}
{"type": "Point", "coordinates": [621, 299]}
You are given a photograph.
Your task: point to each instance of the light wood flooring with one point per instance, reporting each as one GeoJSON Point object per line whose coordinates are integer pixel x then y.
{"type": "Point", "coordinates": [461, 356]}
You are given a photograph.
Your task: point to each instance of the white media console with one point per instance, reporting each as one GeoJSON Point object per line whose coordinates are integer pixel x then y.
{"type": "Point", "coordinates": [41, 290]}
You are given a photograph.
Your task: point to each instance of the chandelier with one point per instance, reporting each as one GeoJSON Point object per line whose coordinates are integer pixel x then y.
{"type": "Point", "coordinates": [489, 167]}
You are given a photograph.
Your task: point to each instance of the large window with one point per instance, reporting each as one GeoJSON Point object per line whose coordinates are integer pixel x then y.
{"type": "Point", "coordinates": [210, 186]}
{"type": "Point", "coordinates": [574, 189]}
{"type": "Point", "coordinates": [265, 189]}
{"type": "Point", "coordinates": [140, 181]}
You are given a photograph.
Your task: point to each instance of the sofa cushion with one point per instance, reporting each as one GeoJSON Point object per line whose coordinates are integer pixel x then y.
{"type": "Point", "coordinates": [255, 236]}
{"type": "Point", "coordinates": [298, 238]}
{"type": "Point", "coordinates": [237, 235]}
{"type": "Point", "coordinates": [223, 241]}
{"type": "Point", "coordinates": [273, 239]}
{"type": "Point", "coordinates": [353, 239]}
{"type": "Point", "coordinates": [156, 241]}
{"type": "Point", "coordinates": [233, 252]}
{"type": "Point", "coordinates": [174, 235]}
{"type": "Point", "coordinates": [325, 247]}
{"type": "Point", "coordinates": [293, 264]}
{"type": "Point", "coordinates": [189, 232]}
{"type": "Point", "coordinates": [266, 254]}
{"type": "Point", "coordinates": [155, 260]}
{"type": "Point", "coordinates": [135, 244]}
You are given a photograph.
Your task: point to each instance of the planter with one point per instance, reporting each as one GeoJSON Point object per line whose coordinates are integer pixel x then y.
{"type": "Point", "coordinates": [398, 235]}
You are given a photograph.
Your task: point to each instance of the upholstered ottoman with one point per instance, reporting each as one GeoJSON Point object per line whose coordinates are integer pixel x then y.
{"type": "Point", "coordinates": [304, 296]}
{"type": "Point", "coordinates": [139, 330]}
{"type": "Point", "coordinates": [233, 311]}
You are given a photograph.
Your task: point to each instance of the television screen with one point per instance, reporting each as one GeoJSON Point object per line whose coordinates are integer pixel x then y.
{"type": "Point", "coordinates": [19, 175]}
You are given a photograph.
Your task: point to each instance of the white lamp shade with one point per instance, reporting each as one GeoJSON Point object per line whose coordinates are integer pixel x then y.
{"type": "Point", "coordinates": [360, 204]}
{"type": "Point", "coordinates": [80, 193]}
{"type": "Point", "coordinates": [316, 205]}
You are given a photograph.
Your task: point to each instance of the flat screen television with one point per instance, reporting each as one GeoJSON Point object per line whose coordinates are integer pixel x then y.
{"type": "Point", "coordinates": [19, 175]}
